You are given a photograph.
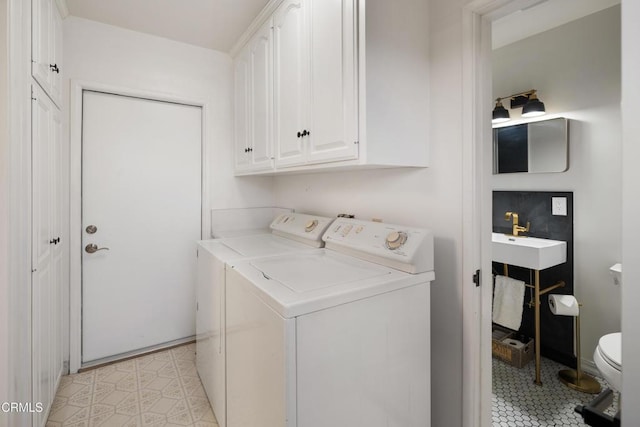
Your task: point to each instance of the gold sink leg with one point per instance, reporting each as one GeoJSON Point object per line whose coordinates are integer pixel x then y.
{"type": "Point", "coordinates": [537, 324]}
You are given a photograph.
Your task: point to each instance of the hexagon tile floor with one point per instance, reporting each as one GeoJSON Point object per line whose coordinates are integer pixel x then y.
{"type": "Point", "coordinates": [517, 401]}
{"type": "Point", "coordinates": [159, 389]}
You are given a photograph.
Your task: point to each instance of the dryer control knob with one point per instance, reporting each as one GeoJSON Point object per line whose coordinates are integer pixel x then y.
{"type": "Point", "coordinates": [395, 239]}
{"type": "Point", "coordinates": [311, 225]}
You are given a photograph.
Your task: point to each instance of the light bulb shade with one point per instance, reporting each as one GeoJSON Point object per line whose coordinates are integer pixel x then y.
{"type": "Point", "coordinates": [500, 114]}
{"type": "Point", "coordinates": [533, 108]}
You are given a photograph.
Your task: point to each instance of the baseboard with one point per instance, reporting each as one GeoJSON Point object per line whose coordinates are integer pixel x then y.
{"type": "Point", "coordinates": [136, 353]}
{"type": "Point", "coordinates": [590, 368]}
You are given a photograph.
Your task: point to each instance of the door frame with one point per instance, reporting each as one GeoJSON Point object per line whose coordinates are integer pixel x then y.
{"type": "Point", "coordinates": [75, 192]}
{"type": "Point", "coordinates": [477, 16]}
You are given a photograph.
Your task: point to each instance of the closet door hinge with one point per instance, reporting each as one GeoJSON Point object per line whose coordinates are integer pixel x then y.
{"type": "Point", "coordinates": [476, 278]}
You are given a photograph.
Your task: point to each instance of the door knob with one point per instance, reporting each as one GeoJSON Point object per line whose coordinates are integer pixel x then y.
{"type": "Point", "coordinates": [92, 248]}
{"type": "Point", "coordinates": [91, 229]}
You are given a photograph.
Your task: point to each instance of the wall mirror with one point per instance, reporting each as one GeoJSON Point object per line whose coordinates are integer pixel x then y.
{"type": "Point", "coordinates": [536, 147]}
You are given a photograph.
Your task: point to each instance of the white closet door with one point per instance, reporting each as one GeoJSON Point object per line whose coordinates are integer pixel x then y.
{"type": "Point", "coordinates": [141, 189]}
{"type": "Point", "coordinates": [43, 277]}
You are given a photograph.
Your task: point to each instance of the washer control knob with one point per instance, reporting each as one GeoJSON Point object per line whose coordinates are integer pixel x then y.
{"type": "Point", "coordinates": [395, 239]}
{"type": "Point", "coordinates": [311, 225]}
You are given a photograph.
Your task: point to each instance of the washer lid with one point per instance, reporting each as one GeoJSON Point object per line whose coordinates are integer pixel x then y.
{"type": "Point", "coordinates": [610, 347]}
{"type": "Point", "coordinates": [309, 272]}
{"type": "Point", "coordinates": [261, 245]}
{"type": "Point", "coordinates": [306, 281]}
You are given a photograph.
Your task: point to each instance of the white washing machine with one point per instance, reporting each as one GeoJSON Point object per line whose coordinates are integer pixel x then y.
{"type": "Point", "coordinates": [291, 232]}
{"type": "Point", "coordinates": [336, 337]}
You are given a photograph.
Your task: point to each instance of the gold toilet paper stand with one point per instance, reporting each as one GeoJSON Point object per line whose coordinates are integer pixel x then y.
{"type": "Point", "coordinates": [575, 378]}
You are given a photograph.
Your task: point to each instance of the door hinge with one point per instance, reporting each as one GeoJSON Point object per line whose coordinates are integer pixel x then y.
{"type": "Point", "coordinates": [476, 278]}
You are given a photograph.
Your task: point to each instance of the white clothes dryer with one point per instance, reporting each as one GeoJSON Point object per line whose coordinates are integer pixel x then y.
{"type": "Point", "coordinates": [291, 232]}
{"type": "Point", "coordinates": [335, 337]}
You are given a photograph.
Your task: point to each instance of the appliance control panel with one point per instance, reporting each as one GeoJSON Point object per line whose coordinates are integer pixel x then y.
{"type": "Point", "coordinates": [404, 248]}
{"type": "Point", "coordinates": [301, 227]}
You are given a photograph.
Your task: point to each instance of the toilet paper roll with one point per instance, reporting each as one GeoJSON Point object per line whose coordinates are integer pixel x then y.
{"type": "Point", "coordinates": [564, 305]}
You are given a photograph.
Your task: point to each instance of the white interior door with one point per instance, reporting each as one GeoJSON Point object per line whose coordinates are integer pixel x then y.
{"type": "Point", "coordinates": [141, 190]}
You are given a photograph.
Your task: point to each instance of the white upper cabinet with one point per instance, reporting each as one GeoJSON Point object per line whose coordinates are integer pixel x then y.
{"type": "Point", "coordinates": [242, 119]}
{"type": "Point", "coordinates": [350, 84]}
{"type": "Point", "coordinates": [253, 104]}
{"type": "Point", "coordinates": [261, 99]}
{"type": "Point", "coordinates": [315, 82]}
{"type": "Point", "coordinates": [46, 48]}
{"type": "Point", "coordinates": [333, 119]}
{"type": "Point", "coordinates": [291, 96]}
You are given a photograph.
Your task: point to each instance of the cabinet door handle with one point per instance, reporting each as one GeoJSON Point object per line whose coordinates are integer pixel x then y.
{"type": "Point", "coordinates": [305, 132]}
{"type": "Point", "coordinates": [54, 68]}
{"type": "Point", "coordinates": [299, 134]}
{"type": "Point", "coordinates": [250, 150]}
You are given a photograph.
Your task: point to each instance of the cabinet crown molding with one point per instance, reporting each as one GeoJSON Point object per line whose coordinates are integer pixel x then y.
{"type": "Point", "coordinates": [259, 20]}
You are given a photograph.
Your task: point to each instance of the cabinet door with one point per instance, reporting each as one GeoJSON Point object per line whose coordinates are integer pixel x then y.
{"type": "Point", "coordinates": [242, 117]}
{"type": "Point", "coordinates": [290, 69]}
{"type": "Point", "coordinates": [333, 101]}
{"type": "Point", "coordinates": [41, 177]}
{"type": "Point", "coordinates": [59, 259]}
{"type": "Point", "coordinates": [40, 41]}
{"type": "Point", "coordinates": [261, 100]}
{"type": "Point", "coordinates": [55, 55]}
{"type": "Point", "coordinates": [42, 265]}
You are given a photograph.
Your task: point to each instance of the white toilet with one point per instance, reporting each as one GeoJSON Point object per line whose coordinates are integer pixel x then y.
{"type": "Point", "coordinates": [608, 354]}
{"type": "Point", "coordinates": [608, 359]}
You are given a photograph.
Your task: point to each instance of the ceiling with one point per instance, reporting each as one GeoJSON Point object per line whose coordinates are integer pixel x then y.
{"type": "Point", "coordinates": [213, 24]}
{"type": "Point", "coordinates": [218, 24]}
{"type": "Point", "coordinates": [536, 16]}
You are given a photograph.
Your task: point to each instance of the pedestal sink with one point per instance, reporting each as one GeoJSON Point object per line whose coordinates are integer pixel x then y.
{"type": "Point", "coordinates": [536, 254]}
{"type": "Point", "coordinates": [529, 252]}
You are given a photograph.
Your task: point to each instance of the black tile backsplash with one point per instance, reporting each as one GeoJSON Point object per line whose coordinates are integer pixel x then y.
{"type": "Point", "coordinates": [556, 332]}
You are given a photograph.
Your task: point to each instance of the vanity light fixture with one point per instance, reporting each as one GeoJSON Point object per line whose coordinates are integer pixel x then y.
{"type": "Point", "coordinates": [528, 100]}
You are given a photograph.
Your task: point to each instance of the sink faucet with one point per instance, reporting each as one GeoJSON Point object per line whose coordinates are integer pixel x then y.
{"type": "Point", "coordinates": [516, 228]}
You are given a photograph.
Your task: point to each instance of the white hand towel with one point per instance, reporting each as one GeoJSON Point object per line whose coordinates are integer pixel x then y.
{"type": "Point", "coordinates": [508, 298]}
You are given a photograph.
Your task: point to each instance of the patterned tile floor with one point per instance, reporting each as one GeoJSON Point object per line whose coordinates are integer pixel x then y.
{"type": "Point", "coordinates": [517, 401]}
{"type": "Point", "coordinates": [163, 389]}
{"type": "Point", "coordinates": [160, 389]}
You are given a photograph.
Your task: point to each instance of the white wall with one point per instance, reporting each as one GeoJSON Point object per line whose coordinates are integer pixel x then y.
{"type": "Point", "coordinates": [4, 211]}
{"type": "Point", "coordinates": [430, 198]}
{"type": "Point", "coordinates": [100, 53]}
{"type": "Point", "coordinates": [630, 211]}
{"type": "Point", "coordinates": [576, 70]}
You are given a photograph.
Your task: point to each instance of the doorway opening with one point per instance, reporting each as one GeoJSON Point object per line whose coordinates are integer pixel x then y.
{"type": "Point", "coordinates": [480, 70]}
